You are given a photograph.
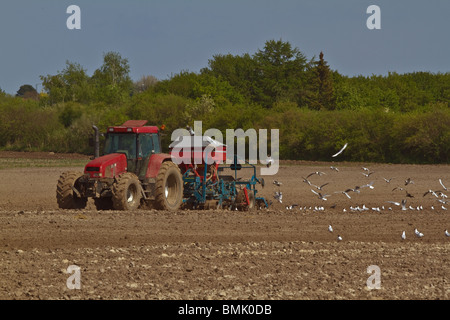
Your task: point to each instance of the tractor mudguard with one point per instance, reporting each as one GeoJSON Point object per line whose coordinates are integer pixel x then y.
{"type": "Point", "coordinates": [155, 163]}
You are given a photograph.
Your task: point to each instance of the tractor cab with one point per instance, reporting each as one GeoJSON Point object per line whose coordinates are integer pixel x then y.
{"type": "Point", "coordinates": [136, 141]}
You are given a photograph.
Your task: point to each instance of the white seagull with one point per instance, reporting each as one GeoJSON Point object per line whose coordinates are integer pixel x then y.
{"type": "Point", "coordinates": [344, 192]}
{"type": "Point", "coordinates": [319, 173]}
{"type": "Point", "coordinates": [330, 228]}
{"type": "Point", "coordinates": [404, 235]}
{"type": "Point", "coordinates": [321, 197]}
{"type": "Point", "coordinates": [418, 234]}
{"type": "Point", "coordinates": [340, 151]}
{"type": "Point", "coordinates": [278, 196]}
{"type": "Point", "coordinates": [320, 187]}
{"type": "Point", "coordinates": [334, 168]}
{"type": "Point", "coordinates": [447, 233]}
{"type": "Point", "coordinates": [277, 183]}
{"type": "Point", "coordinates": [368, 173]}
{"type": "Point", "coordinates": [339, 238]}
{"type": "Point", "coordinates": [440, 181]}
{"type": "Point", "coordinates": [269, 161]}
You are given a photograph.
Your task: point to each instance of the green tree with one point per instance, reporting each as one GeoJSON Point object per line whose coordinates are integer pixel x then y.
{"type": "Point", "coordinates": [70, 84]}
{"type": "Point", "coordinates": [112, 81]}
{"type": "Point", "coordinates": [27, 91]}
{"type": "Point", "coordinates": [322, 91]}
{"type": "Point", "coordinates": [280, 74]}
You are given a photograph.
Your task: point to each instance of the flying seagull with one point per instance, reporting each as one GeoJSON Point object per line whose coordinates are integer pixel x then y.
{"type": "Point", "coordinates": [340, 151]}
{"type": "Point", "coordinates": [432, 192]}
{"type": "Point", "coordinates": [321, 197]}
{"type": "Point", "coordinates": [408, 181]}
{"type": "Point", "coordinates": [320, 187]}
{"type": "Point", "coordinates": [319, 173]}
{"type": "Point", "coordinates": [368, 173]}
{"type": "Point", "coordinates": [388, 180]}
{"type": "Point", "coordinates": [345, 192]}
{"type": "Point", "coordinates": [269, 161]}
{"type": "Point", "coordinates": [306, 181]}
{"type": "Point", "coordinates": [334, 168]}
{"type": "Point", "coordinates": [278, 196]}
{"type": "Point", "coordinates": [370, 185]}
{"type": "Point", "coordinates": [440, 181]}
{"type": "Point", "coordinates": [277, 183]}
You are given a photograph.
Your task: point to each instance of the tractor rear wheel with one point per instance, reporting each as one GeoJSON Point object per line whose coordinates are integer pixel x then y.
{"type": "Point", "coordinates": [65, 195]}
{"type": "Point", "coordinates": [126, 192]}
{"type": "Point", "coordinates": [169, 187]}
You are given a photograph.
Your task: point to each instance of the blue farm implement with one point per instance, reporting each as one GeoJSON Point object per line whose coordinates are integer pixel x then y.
{"type": "Point", "coordinates": [212, 184]}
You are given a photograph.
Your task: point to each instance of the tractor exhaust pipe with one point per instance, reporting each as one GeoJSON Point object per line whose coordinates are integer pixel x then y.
{"type": "Point", "coordinates": [96, 142]}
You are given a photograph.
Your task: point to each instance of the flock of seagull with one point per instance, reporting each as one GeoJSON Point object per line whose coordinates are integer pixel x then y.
{"type": "Point", "coordinates": [319, 192]}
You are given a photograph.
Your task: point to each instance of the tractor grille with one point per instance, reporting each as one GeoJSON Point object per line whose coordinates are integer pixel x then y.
{"type": "Point", "coordinates": [93, 169]}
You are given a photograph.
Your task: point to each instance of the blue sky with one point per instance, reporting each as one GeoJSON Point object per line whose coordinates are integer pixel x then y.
{"type": "Point", "coordinates": [164, 37]}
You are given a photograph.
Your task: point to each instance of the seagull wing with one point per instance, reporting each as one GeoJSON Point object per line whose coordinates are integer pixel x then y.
{"type": "Point", "coordinates": [340, 151]}
{"type": "Point", "coordinates": [394, 202]}
{"type": "Point", "coordinates": [440, 181]}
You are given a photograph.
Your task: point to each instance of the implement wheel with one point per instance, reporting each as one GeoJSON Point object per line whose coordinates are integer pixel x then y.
{"type": "Point", "coordinates": [241, 201]}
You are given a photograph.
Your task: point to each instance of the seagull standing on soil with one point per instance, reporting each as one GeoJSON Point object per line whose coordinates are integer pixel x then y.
{"type": "Point", "coordinates": [339, 238]}
{"type": "Point", "coordinates": [418, 234]}
{"type": "Point", "coordinates": [330, 228]}
{"type": "Point", "coordinates": [404, 235]}
{"type": "Point", "coordinates": [447, 233]}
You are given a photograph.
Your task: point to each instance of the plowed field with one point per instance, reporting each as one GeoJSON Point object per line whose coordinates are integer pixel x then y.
{"type": "Point", "coordinates": [273, 253]}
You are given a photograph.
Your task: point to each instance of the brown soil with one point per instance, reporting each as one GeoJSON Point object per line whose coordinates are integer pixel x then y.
{"type": "Point", "coordinates": [220, 254]}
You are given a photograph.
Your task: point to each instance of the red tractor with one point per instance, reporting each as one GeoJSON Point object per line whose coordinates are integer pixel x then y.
{"type": "Point", "coordinates": [132, 171]}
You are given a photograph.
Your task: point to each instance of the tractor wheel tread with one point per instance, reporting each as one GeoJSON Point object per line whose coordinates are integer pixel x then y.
{"type": "Point", "coordinates": [65, 196]}
{"type": "Point", "coordinates": [167, 169]}
{"type": "Point", "coordinates": [120, 192]}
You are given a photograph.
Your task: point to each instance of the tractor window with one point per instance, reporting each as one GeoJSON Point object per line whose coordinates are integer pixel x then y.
{"type": "Point", "coordinates": [145, 141]}
{"type": "Point", "coordinates": [121, 142]}
{"type": "Point", "coordinates": [156, 145]}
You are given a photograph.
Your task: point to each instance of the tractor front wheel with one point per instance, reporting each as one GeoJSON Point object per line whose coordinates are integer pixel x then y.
{"type": "Point", "coordinates": [126, 192]}
{"type": "Point", "coordinates": [66, 197]}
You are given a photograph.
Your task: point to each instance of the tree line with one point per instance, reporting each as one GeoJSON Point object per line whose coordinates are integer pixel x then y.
{"type": "Point", "coordinates": [398, 118]}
